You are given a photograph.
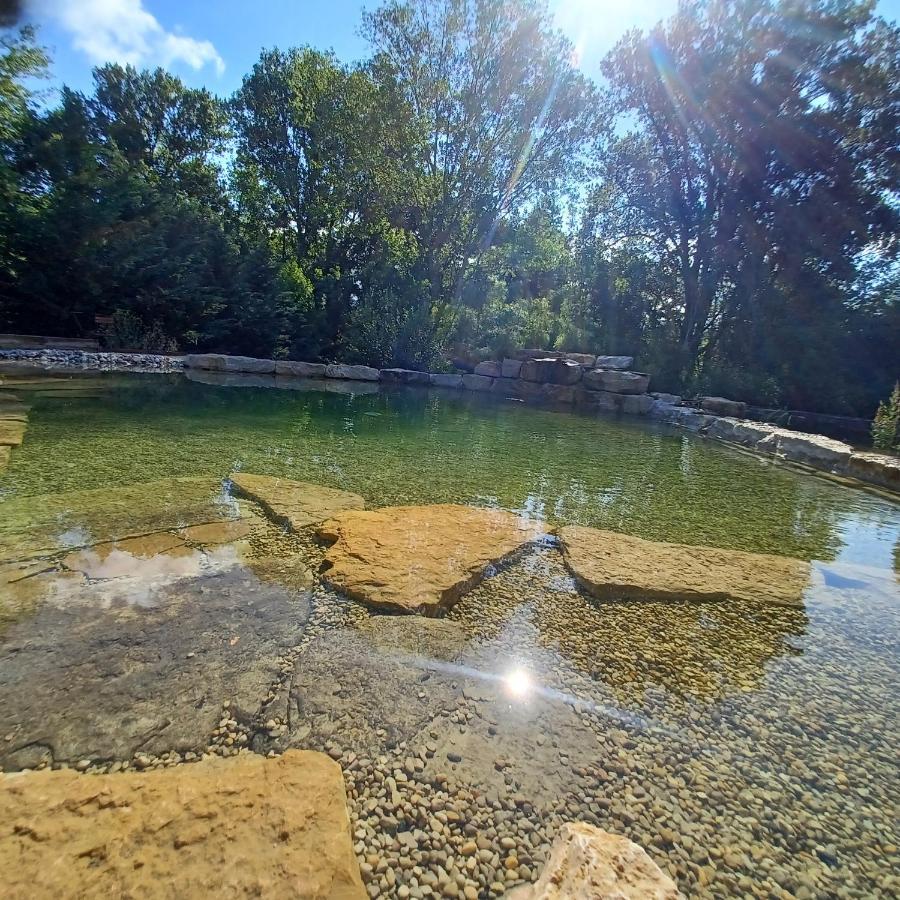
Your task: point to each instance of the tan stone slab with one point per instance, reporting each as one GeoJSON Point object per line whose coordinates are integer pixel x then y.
{"type": "Point", "coordinates": [217, 532]}
{"type": "Point", "coordinates": [241, 827]}
{"type": "Point", "coordinates": [294, 504]}
{"type": "Point", "coordinates": [4, 457]}
{"type": "Point", "coordinates": [586, 863]}
{"type": "Point", "coordinates": [12, 431]}
{"type": "Point", "coordinates": [418, 559]}
{"type": "Point", "coordinates": [611, 565]}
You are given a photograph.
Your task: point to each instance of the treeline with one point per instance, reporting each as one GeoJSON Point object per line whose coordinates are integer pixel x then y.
{"type": "Point", "coordinates": [722, 203]}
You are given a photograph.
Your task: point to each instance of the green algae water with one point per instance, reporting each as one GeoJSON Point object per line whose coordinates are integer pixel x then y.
{"type": "Point", "coordinates": [750, 748]}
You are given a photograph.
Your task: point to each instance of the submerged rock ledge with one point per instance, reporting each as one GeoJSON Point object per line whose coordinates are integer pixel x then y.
{"type": "Point", "coordinates": [612, 565]}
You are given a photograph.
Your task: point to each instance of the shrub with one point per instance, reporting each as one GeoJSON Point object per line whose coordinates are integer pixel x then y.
{"type": "Point", "coordinates": [886, 425]}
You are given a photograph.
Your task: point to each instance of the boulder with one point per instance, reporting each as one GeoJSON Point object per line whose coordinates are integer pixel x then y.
{"type": "Point", "coordinates": [684, 416]}
{"type": "Point", "coordinates": [404, 376]}
{"type": "Point", "coordinates": [441, 379]}
{"type": "Point", "coordinates": [352, 373]}
{"type": "Point", "coordinates": [492, 368]}
{"type": "Point", "coordinates": [218, 362]}
{"type": "Point", "coordinates": [620, 566]}
{"type": "Point", "coordinates": [749, 434]}
{"type": "Point", "coordinates": [875, 468]}
{"type": "Point", "coordinates": [614, 362]}
{"type": "Point", "coordinates": [510, 368]}
{"type": "Point", "coordinates": [636, 404]}
{"type": "Point", "coordinates": [586, 863]}
{"type": "Point", "coordinates": [588, 360]}
{"type": "Point", "coordinates": [294, 504]}
{"type": "Point", "coordinates": [813, 450]}
{"type": "Point", "coordinates": [616, 382]}
{"type": "Point", "coordinates": [299, 369]}
{"type": "Point", "coordinates": [602, 401]}
{"type": "Point", "coordinates": [241, 827]}
{"type": "Point", "coordinates": [674, 399]}
{"type": "Point", "coordinates": [477, 382]}
{"type": "Point", "coordinates": [513, 388]}
{"type": "Point", "coordinates": [722, 428]}
{"type": "Point", "coordinates": [551, 371]}
{"type": "Point", "coordinates": [719, 406]}
{"type": "Point", "coordinates": [417, 559]}
{"type": "Point", "coordinates": [537, 354]}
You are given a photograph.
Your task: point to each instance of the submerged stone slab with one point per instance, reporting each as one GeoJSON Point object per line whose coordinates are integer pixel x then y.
{"type": "Point", "coordinates": [299, 369]}
{"type": "Point", "coordinates": [418, 559]}
{"type": "Point", "coordinates": [586, 863]}
{"type": "Point", "coordinates": [4, 457]}
{"type": "Point", "coordinates": [352, 373]}
{"type": "Point", "coordinates": [294, 504]}
{"type": "Point", "coordinates": [619, 566]}
{"type": "Point", "coordinates": [104, 670]}
{"type": "Point", "coordinates": [241, 827]}
{"type": "Point", "coordinates": [12, 431]}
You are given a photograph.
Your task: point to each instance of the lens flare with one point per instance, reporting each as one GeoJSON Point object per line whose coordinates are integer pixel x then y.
{"type": "Point", "coordinates": [518, 682]}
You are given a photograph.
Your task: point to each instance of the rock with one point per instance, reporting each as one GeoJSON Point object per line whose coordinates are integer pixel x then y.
{"type": "Point", "coordinates": [4, 457]}
{"type": "Point", "coordinates": [514, 388]}
{"type": "Point", "coordinates": [441, 379]}
{"type": "Point", "coordinates": [719, 406]}
{"type": "Point", "coordinates": [636, 404]}
{"type": "Point", "coordinates": [352, 373]}
{"type": "Point", "coordinates": [294, 504]}
{"type": "Point", "coordinates": [588, 360]}
{"type": "Point", "coordinates": [492, 368]}
{"type": "Point", "coordinates": [418, 559]}
{"type": "Point", "coordinates": [477, 382]}
{"type": "Point", "coordinates": [876, 468]}
{"type": "Point", "coordinates": [684, 416]}
{"type": "Point", "coordinates": [85, 679]}
{"type": "Point", "coordinates": [510, 368]}
{"type": "Point", "coordinates": [415, 636]}
{"type": "Point", "coordinates": [299, 369]}
{"type": "Point", "coordinates": [722, 428]}
{"type": "Point", "coordinates": [621, 363]}
{"type": "Point", "coordinates": [616, 382]}
{"type": "Point", "coordinates": [551, 371]}
{"type": "Point", "coordinates": [225, 827]}
{"type": "Point", "coordinates": [674, 399]}
{"type": "Point", "coordinates": [586, 863]}
{"type": "Point", "coordinates": [11, 432]}
{"type": "Point", "coordinates": [218, 362]}
{"type": "Point", "coordinates": [404, 376]}
{"type": "Point", "coordinates": [812, 449]}
{"type": "Point", "coordinates": [605, 401]}
{"type": "Point", "coordinates": [612, 565]}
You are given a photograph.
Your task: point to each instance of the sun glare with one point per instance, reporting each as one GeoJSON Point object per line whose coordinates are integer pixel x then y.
{"type": "Point", "coordinates": [518, 682]}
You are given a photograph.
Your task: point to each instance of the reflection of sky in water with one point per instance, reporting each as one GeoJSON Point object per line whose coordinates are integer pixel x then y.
{"type": "Point", "coordinates": [121, 577]}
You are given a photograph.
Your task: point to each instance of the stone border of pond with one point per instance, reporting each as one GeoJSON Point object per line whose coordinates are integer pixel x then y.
{"type": "Point", "coordinates": [582, 381]}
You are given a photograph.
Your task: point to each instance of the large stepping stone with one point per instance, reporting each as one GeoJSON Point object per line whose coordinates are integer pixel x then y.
{"type": "Point", "coordinates": [241, 827]}
{"type": "Point", "coordinates": [619, 566]}
{"type": "Point", "coordinates": [418, 559]}
{"type": "Point", "coordinates": [294, 504]}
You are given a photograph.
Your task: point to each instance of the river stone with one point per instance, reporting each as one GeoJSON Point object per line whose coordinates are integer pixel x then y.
{"type": "Point", "coordinates": [586, 863]}
{"type": "Point", "coordinates": [404, 376]}
{"type": "Point", "coordinates": [445, 380]}
{"type": "Point", "coordinates": [298, 369]}
{"type": "Point", "coordinates": [417, 559]}
{"type": "Point", "coordinates": [614, 362]}
{"type": "Point", "coordinates": [352, 373]}
{"type": "Point", "coordinates": [611, 565]}
{"type": "Point", "coordinates": [237, 827]}
{"type": "Point", "coordinates": [720, 406]}
{"type": "Point", "coordinates": [551, 371]}
{"type": "Point", "coordinates": [492, 368]}
{"type": "Point", "coordinates": [616, 382]}
{"type": "Point", "coordinates": [294, 504]}
{"type": "Point", "coordinates": [144, 669]}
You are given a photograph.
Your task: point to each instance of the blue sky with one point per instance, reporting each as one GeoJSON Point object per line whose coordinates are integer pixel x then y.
{"type": "Point", "coordinates": [215, 42]}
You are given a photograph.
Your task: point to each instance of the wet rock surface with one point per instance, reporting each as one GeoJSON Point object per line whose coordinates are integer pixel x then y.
{"type": "Point", "coordinates": [235, 828]}
{"type": "Point", "coordinates": [417, 558]}
{"type": "Point", "coordinates": [616, 566]}
{"type": "Point", "coordinates": [589, 864]}
{"type": "Point", "coordinates": [294, 504]}
{"type": "Point", "coordinates": [81, 679]}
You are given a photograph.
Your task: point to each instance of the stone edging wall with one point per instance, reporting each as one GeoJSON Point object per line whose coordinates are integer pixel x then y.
{"type": "Point", "coordinates": [602, 383]}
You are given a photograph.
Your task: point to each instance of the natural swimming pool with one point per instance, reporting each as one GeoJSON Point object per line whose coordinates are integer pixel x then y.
{"type": "Point", "coordinates": [749, 747]}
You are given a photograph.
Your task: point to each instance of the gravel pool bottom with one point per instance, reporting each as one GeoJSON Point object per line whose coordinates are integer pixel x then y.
{"type": "Point", "coordinates": [750, 748]}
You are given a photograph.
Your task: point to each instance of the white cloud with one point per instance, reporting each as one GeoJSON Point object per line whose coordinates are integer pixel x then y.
{"type": "Point", "coordinates": [123, 31]}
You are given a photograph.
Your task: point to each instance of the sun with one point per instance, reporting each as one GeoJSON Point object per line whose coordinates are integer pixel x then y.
{"type": "Point", "coordinates": [518, 682]}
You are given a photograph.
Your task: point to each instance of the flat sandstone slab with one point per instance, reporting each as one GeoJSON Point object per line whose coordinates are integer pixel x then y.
{"type": "Point", "coordinates": [241, 827]}
{"type": "Point", "coordinates": [418, 559]}
{"type": "Point", "coordinates": [294, 504]}
{"type": "Point", "coordinates": [607, 564]}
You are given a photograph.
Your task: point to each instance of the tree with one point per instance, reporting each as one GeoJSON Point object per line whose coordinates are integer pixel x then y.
{"type": "Point", "coordinates": [504, 113]}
